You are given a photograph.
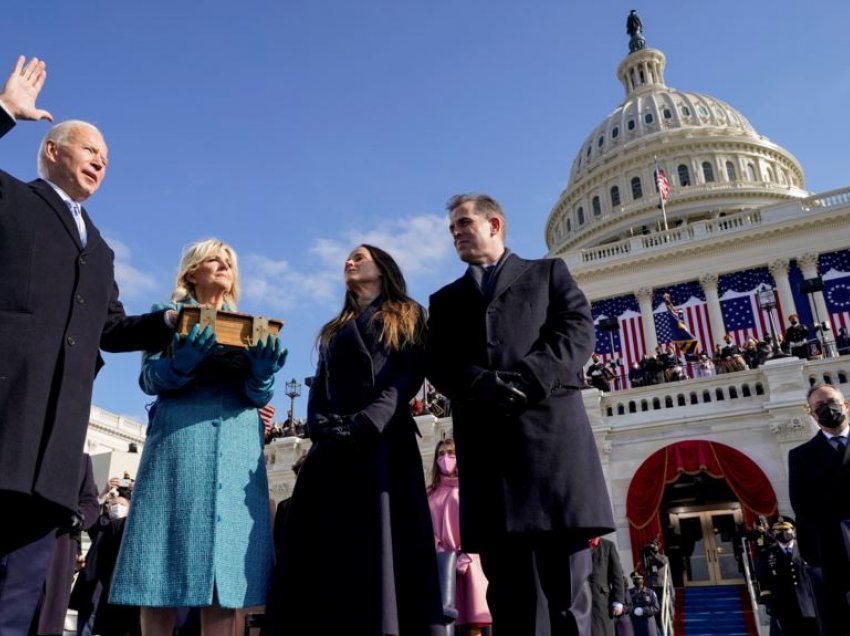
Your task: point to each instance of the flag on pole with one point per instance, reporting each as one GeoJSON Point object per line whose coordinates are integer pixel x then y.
{"type": "Point", "coordinates": [662, 183]}
{"type": "Point", "coordinates": [680, 335]}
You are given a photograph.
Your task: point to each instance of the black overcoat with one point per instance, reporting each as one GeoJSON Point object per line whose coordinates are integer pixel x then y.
{"type": "Point", "coordinates": [539, 471]}
{"type": "Point", "coordinates": [58, 305]}
{"type": "Point", "coordinates": [607, 587]}
{"type": "Point", "coordinates": [819, 487]}
{"type": "Point", "coordinates": [358, 552]}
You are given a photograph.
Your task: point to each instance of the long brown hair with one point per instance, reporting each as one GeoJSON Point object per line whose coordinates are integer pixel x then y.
{"type": "Point", "coordinates": [399, 314]}
{"type": "Point", "coordinates": [436, 475]}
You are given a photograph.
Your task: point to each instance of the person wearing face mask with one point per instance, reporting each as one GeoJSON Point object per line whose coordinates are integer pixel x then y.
{"type": "Point", "coordinates": [819, 487]}
{"type": "Point", "coordinates": [443, 499]}
{"type": "Point", "coordinates": [784, 586]}
{"type": "Point", "coordinates": [796, 338]}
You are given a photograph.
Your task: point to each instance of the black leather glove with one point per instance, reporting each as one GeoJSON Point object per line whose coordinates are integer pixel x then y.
{"type": "Point", "coordinates": [329, 429]}
{"type": "Point", "coordinates": [500, 391]}
{"type": "Point", "coordinates": [339, 429]}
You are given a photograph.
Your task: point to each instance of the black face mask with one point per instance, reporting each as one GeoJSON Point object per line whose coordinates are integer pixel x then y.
{"type": "Point", "coordinates": [830, 415]}
{"type": "Point", "coordinates": [785, 536]}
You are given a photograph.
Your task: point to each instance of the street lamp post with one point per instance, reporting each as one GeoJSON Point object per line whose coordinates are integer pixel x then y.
{"type": "Point", "coordinates": [809, 287]}
{"type": "Point", "coordinates": [767, 302]}
{"type": "Point", "coordinates": [293, 390]}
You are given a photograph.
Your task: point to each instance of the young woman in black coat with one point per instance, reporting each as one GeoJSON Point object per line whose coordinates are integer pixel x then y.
{"type": "Point", "coordinates": [358, 550]}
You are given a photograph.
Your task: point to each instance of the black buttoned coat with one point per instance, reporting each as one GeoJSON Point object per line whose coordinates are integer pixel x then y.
{"type": "Point", "coordinates": [539, 470]}
{"type": "Point", "coordinates": [58, 306]}
{"type": "Point", "coordinates": [357, 554]}
{"type": "Point", "coordinates": [819, 486]}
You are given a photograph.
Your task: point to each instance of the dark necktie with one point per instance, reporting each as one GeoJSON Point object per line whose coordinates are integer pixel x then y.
{"type": "Point", "coordinates": [839, 443]}
{"type": "Point", "coordinates": [487, 280]}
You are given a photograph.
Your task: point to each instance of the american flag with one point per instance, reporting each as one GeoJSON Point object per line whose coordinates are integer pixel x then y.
{"type": "Point", "coordinates": [629, 343]}
{"type": "Point", "coordinates": [661, 182]}
{"type": "Point", "coordinates": [742, 314]}
{"type": "Point", "coordinates": [267, 415]}
{"type": "Point", "coordinates": [689, 298]}
{"type": "Point", "coordinates": [835, 268]}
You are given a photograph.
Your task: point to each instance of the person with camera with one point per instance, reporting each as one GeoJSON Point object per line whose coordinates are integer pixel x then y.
{"type": "Point", "coordinates": [199, 533]}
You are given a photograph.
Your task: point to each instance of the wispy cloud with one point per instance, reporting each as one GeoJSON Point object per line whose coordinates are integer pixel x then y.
{"type": "Point", "coordinates": [133, 282]}
{"type": "Point", "coordinates": [420, 245]}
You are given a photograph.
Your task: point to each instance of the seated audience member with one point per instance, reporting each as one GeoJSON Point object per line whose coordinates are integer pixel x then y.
{"type": "Point", "coordinates": [636, 378]}
{"type": "Point", "coordinates": [842, 342]}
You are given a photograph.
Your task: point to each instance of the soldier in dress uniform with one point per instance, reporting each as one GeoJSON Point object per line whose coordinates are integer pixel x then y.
{"type": "Point", "coordinates": [597, 374]}
{"type": "Point", "coordinates": [644, 607]}
{"type": "Point", "coordinates": [796, 338]}
{"type": "Point", "coordinates": [785, 589]}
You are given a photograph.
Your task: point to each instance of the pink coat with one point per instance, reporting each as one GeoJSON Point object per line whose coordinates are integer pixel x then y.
{"type": "Point", "coordinates": [471, 582]}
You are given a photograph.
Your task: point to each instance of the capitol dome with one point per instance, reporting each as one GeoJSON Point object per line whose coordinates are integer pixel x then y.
{"type": "Point", "coordinates": [715, 161]}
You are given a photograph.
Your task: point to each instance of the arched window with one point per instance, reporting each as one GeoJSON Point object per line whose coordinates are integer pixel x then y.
{"type": "Point", "coordinates": [580, 215]}
{"type": "Point", "coordinates": [615, 132]}
{"type": "Point", "coordinates": [684, 175]}
{"type": "Point", "coordinates": [648, 118]}
{"type": "Point", "coordinates": [569, 224]}
{"type": "Point", "coordinates": [597, 207]}
{"type": "Point", "coordinates": [769, 173]}
{"type": "Point", "coordinates": [751, 171]}
{"type": "Point", "coordinates": [637, 189]}
{"type": "Point", "coordinates": [667, 113]}
{"type": "Point", "coordinates": [601, 140]}
{"type": "Point", "coordinates": [631, 124]}
{"type": "Point", "coordinates": [615, 196]}
{"type": "Point", "coordinates": [730, 171]}
{"type": "Point", "coordinates": [707, 172]}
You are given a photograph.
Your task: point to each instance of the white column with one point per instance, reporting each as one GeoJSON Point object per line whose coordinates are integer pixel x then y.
{"type": "Point", "coordinates": [712, 301]}
{"type": "Point", "coordinates": [644, 296]}
{"type": "Point", "coordinates": [809, 266]}
{"type": "Point", "coordinates": [779, 271]}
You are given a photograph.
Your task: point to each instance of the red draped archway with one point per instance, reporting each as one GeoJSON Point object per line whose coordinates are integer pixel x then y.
{"type": "Point", "coordinates": [742, 475]}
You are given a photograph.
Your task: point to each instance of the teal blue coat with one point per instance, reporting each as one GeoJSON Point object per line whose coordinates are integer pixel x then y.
{"type": "Point", "coordinates": [199, 516]}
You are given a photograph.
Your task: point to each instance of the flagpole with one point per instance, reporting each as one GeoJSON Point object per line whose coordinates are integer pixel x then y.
{"type": "Point", "coordinates": [660, 194]}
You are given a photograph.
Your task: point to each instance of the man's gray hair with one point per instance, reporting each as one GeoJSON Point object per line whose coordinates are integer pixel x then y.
{"type": "Point", "coordinates": [59, 134]}
{"type": "Point", "coordinates": [484, 204]}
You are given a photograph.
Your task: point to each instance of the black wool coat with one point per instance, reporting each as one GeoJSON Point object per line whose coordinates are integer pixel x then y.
{"type": "Point", "coordinates": [539, 470]}
{"type": "Point", "coordinates": [607, 586]}
{"type": "Point", "coordinates": [58, 306]}
{"type": "Point", "coordinates": [357, 554]}
{"type": "Point", "coordinates": [819, 488]}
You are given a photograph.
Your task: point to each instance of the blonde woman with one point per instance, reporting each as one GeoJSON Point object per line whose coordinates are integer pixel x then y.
{"type": "Point", "coordinates": [199, 533]}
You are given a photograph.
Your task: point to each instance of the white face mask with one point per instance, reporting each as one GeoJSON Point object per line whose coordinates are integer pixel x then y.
{"type": "Point", "coordinates": [118, 511]}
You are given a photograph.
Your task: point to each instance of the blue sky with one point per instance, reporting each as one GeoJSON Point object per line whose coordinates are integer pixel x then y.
{"type": "Point", "coordinates": [295, 130]}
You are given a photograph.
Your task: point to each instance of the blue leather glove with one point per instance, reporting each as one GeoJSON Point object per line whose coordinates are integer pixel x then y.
{"type": "Point", "coordinates": [267, 358]}
{"type": "Point", "coordinates": [187, 353]}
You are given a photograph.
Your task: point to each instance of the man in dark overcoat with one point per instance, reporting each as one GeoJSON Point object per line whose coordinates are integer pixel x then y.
{"type": "Point", "coordinates": [607, 586]}
{"type": "Point", "coordinates": [58, 306]}
{"type": "Point", "coordinates": [506, 344]}
{"type": "Point", "coordinates": [819, 487]}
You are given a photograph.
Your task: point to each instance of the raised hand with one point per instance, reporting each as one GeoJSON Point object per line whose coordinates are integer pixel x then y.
{"type": "Point", "coordinates": [22, 88]}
